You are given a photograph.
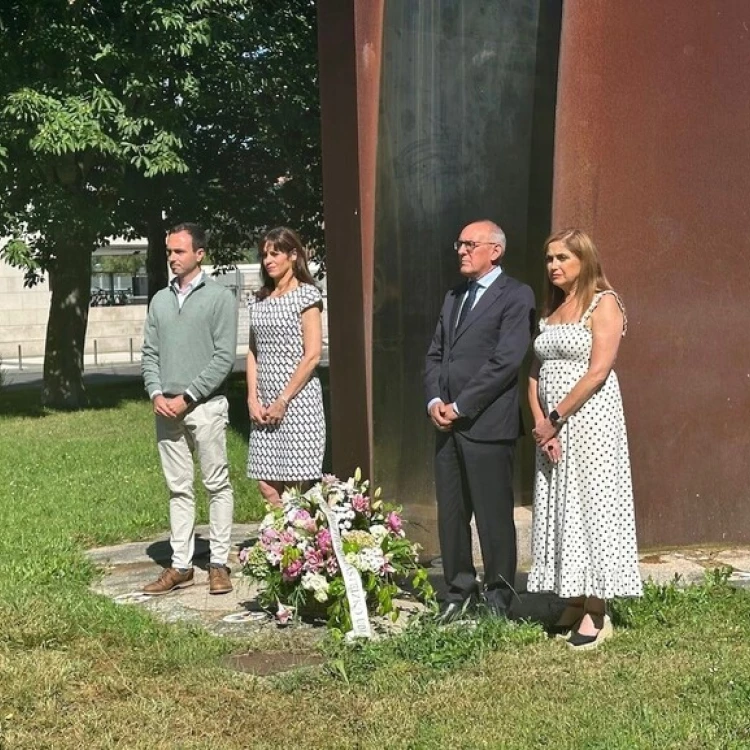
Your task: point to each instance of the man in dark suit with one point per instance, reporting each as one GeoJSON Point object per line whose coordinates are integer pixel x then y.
{"type": "Point", "coordinates": [471, 386]}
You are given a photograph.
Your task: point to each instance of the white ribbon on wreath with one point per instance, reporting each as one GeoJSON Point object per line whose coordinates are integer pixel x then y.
{"type": "Point", "coordinates": [355, 592]}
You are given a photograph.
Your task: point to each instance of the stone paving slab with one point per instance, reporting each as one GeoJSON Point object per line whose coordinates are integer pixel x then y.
{"type": "Point", "coordinates": [737, 558]}
{"type": "Point", "coordinates": [157, 549]}
{"type": "Point", "coordinates": [664, 568]}
{"type": "Point", "coordinates": [127, 567]}
{"type": "Point", "coordinates": [690, 565]}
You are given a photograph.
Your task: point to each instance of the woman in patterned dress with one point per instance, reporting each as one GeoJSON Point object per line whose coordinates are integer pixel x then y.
{"type": "Point", "coordinates": [284, 397]}
{"type": "Point", "coordinates": [583, 536]}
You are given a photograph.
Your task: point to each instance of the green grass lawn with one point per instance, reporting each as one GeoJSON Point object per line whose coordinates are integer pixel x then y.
{"type": "Point", "coordinates": [78, 671]}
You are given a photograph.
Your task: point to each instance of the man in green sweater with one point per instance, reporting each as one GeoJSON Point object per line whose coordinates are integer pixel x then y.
{"type": "Point", "coordinates": [189, 349]}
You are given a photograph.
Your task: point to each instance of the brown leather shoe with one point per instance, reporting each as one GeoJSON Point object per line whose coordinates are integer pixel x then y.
{"type": "Point", "coordinates": [218, 580]}
{"type": "Point", "coordinates": [170, 580]}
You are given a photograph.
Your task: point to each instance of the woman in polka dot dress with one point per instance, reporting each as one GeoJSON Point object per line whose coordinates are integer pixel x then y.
{"type": "Point", "coordinates": [583, 538]}
{"type": "Point", "coordinates": [284, 397]}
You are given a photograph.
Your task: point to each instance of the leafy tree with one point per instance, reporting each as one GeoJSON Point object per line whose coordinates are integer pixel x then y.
{"type": "Point", "coordinates": [124, 117]}
{"type": "Point", "coordinates": [123, 264]}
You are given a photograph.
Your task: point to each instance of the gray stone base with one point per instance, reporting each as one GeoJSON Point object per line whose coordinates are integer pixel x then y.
{"type": "Point", "coordinates": [127, 567]}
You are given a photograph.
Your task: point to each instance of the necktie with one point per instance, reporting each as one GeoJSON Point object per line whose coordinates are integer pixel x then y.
{"type": "Point", "coordinates": [471, 295]}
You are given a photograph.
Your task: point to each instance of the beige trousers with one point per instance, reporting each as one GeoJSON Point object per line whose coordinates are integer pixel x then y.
{"type": "Point", "coordinates": [201, 430]}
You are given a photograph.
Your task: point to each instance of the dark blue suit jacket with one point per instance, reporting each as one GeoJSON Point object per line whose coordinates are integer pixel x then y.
{"type": "Point", "coordinates": [477, 364]}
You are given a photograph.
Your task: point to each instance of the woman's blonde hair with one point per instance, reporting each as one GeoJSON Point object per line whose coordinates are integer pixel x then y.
{"type": "Point", "coordinates": [591, 279]}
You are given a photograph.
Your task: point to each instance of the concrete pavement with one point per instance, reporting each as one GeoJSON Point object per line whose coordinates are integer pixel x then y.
{"type": "Point", "coordinates": [127, 567]}
{"type": "Point", "coordinates": [115, 368]}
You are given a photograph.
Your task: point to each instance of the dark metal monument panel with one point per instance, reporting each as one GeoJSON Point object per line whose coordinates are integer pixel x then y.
{"type": "Point", "coordinates": [653, 157]}
{"type": "Point", "coordinates": [465, 132]}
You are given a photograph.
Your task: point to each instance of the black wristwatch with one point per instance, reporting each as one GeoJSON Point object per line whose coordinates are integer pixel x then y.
{"type": "Point", "coordinates": [555, 419]}
{"type": "Point", "coordinates": [187, 398]}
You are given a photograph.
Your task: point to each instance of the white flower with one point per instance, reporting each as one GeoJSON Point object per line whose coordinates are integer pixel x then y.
{"type": "Point", "coordinates": [372, 560]}
{"type": "Point", "coordinates": [369, 559]}
{"type": "Point", "coordinates": [317, 583]}
{"type": "Point", "coordinates": [379, 532]}
{"type": "Point", "coordinates": [274, 558]}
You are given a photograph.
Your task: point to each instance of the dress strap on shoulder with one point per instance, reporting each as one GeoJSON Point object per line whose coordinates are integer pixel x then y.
{"type": "Point", "coordinates": [595, 302]}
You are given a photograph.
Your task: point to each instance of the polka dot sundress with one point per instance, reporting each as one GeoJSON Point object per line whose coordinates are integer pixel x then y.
{"type": "Point", "coordinates": [583, 533]}
{"type": "Point", "coordinates": [291, 451]}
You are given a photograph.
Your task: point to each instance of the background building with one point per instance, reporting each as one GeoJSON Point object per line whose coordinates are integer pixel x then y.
{"type": "Point", "coordinates": [118, 309]}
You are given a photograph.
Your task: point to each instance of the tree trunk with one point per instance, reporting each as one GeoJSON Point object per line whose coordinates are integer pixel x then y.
{"type": "Point", "coordinates": [70, 284]}
{"type": "Point", "coordinates": [156, 259]}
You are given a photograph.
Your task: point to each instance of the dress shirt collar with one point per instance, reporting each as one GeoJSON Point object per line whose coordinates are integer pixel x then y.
{"type": "Point", "coordinates": [189, 288]}
{"type": "Point", "coordinates": [489, 277]}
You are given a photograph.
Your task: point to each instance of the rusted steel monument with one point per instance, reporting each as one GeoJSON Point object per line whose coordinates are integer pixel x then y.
{"type": "Point", "coordinates": [629, 119]}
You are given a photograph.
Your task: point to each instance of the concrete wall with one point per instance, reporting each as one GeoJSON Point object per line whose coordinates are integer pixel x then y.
{"type": "Point", "coordinates": [117, 329]}
{"type": "Point", "coordinates": [23, 315]}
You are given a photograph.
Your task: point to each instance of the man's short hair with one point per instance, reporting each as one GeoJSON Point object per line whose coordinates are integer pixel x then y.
{"type": "Point", "coordinates": [496, 234]}
{"type": "Point", "coordinates": [197, 233]}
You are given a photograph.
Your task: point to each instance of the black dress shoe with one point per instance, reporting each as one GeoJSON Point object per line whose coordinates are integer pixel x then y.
{"type": "Point", "coordinates": [495, 608]}
{"type": "Point", "coordinates": [454, 611]}
{"type": "Point", "coordinates": [497, 603]}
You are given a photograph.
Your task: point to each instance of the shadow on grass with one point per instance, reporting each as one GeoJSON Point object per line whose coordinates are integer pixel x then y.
{"type": "Point", "coordinates": [110, 391]}
{"type": "Point", "coordinates": [25, 401]}
{"type": "Point", "coordinates": [544, 608]}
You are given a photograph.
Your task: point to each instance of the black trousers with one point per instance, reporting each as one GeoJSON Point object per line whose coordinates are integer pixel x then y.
{"type": "Point", "coordinates": [476, 478]}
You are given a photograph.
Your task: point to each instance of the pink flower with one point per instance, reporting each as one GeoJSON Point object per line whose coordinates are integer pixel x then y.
{"type": "Point", "coordinates": [284, 614]}
{"type": "Point", "coordinates": [287, 538]}
{"type": "Point", "coordinates": [386, 568]}
{"type": "Point", "coordinates": [323, 540]}
{"type": "Point", "coordinates": [393, 522]}
{"type": "Point", "coordinates": [292, 571]}
{"type": "Point", "coordinates": [303, 520]}
{"type": "Point", "coordinates": [313, 560]}
{"type": "Point", "coordinates": [360, 503]}
{"type": "Point", "coordinates": [268, 537]}
{"type": "Point", "coordinates": [243, 555]}
{"type": "Point", "coordinates": [332, 566]}
{"type": "Point", "coordinates": [329, 478]}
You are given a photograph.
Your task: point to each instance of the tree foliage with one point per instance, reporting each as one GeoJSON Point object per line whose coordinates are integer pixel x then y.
{"type": "Point", "coordinates": [122, 117]}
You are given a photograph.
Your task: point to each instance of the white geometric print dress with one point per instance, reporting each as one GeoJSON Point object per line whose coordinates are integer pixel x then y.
{"type": "Point", "coordinates": [291, 451]}
{"type": "Point", "coordinates": [583, 533]}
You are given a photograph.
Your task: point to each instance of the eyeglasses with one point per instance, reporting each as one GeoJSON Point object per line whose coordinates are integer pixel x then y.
{"type": "Point", "coordinates": [470, 245]}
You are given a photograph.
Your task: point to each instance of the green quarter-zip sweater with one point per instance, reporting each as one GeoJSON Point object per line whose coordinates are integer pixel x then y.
{"type": "Point", "coordinates": [193, 347]}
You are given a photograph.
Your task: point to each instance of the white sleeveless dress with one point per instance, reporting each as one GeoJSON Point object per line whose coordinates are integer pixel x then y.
{"type": "Point", "coordinates": [583, 533]}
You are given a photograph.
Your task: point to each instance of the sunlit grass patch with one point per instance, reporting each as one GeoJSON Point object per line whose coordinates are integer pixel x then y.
{"type": "Point", "coordinates": [77, 670]}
